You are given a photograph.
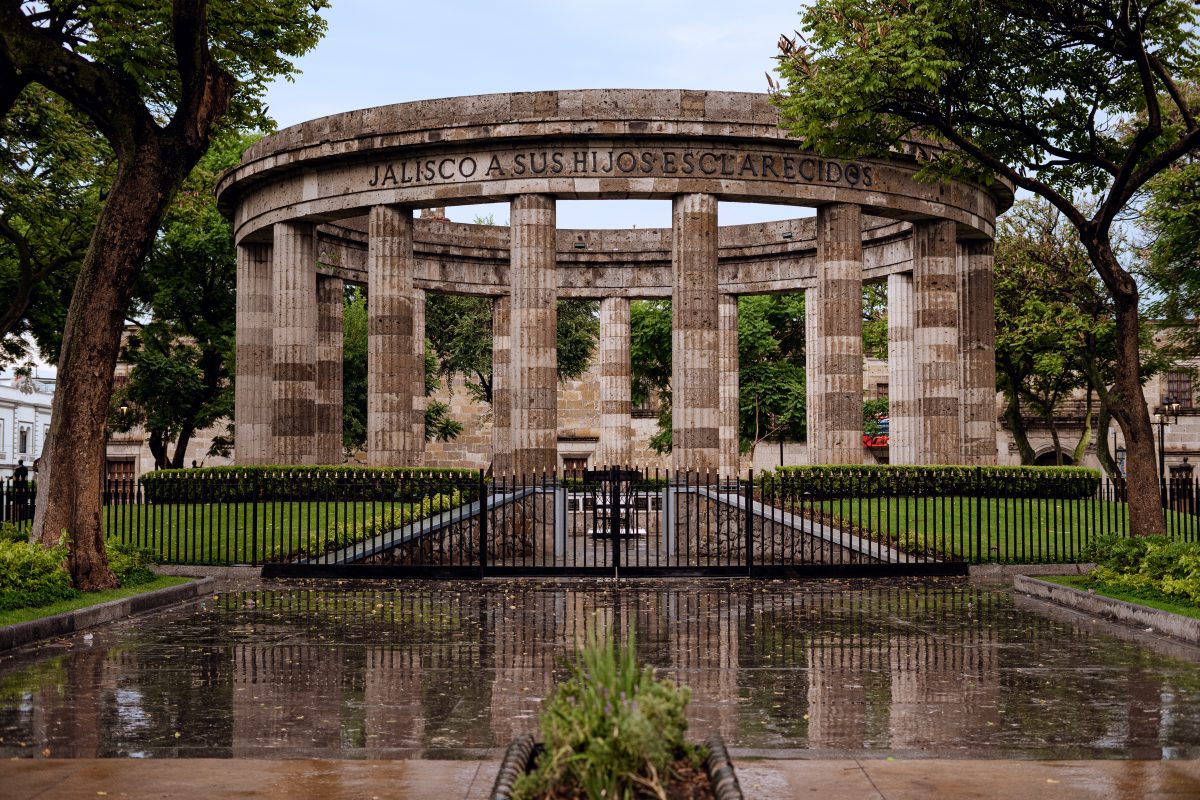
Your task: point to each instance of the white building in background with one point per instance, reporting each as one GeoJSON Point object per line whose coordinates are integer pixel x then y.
{"type": "Point", "coordinates": [25, 403]}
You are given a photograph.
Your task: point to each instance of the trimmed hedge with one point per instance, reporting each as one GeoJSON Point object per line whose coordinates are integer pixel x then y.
{"type": "Point", "coordinates": [32, 576]}
{"type": "Point", "coordinates": [897, 480]}
{"type": "Point", "coordinates": [277, 482]}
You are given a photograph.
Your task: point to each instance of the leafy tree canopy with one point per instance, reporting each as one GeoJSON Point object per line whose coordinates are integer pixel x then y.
{"type": "Point", "coordinates": [1063, 99]}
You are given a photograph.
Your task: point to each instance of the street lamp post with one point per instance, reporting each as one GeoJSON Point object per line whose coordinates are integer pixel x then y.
{"type": "Point", "coordinates": [1169, 408]}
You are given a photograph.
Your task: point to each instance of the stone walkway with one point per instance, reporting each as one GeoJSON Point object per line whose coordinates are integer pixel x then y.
{"type": "Point", "coordinates": [845, 779]}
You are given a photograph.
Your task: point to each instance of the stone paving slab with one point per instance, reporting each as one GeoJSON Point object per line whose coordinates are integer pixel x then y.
{"type": "Point", "coordinates": [834, 779]}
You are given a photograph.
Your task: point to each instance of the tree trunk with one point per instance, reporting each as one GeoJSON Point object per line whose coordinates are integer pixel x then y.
{"type": "Point", "coordinates": [74, 455]}
{"type": "Point", "coordinates": [1085, 438]}
{"type": "Point", "coordinates": [181, 443]}
{"type": "Point", "coordinates": [158, 449]}
{"type": "Point", "coordinates": [1127, 401]}
{"type": "Point", "coordinates": [1016, 424]}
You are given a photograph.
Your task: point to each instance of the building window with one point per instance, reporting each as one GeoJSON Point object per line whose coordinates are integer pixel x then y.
{"type": "Point", "coordinates": [574, 467]}
{"type": "Point", "coordinates": [1179, 389]}
{"type": "Point", "coordinates": [881, 391]}
{"type": "Point", "coordinates": [24, 437]}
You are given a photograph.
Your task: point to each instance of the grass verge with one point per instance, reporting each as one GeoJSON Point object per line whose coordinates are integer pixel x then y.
{"type": "Point", "coordinates": [17, 615]}
{"type": "Point", "coordinates": [1161, 602]}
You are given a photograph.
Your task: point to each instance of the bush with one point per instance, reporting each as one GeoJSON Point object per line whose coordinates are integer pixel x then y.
{"type": "Point", "coordinates": [611, 730]}
{"type": "Point", "coordinates": [130, 564]}
{"type": "Point", "coordinates": [884, 480]}
{"type": "Point", "coordinates": [1147, 565]}
{"type": "Point", "coordinates": [275, 482]}
{"type": "Point", "coordinates": [12, 532]}
{"type": "Point", "coordinates": [32, 576]}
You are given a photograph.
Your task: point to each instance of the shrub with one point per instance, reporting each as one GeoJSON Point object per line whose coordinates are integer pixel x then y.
{"type": "Point", "coordinates": [129, 563]}
{"type": "Point", "coordinates": [884, 480]}
{"type": "Point", "coordinates": [611, 730]}
{"type": "Point", "coordinates": [12, 532]}
{"type": "Point", "coordinates": [278, 482]}
{"type": "Point", "coordinates": [32, 576]}
{"type": "Point", "coordinates": [1147, 565]}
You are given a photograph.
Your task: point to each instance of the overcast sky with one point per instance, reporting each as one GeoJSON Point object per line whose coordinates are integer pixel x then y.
{"type": "Point", "coordinates": [378, 52]}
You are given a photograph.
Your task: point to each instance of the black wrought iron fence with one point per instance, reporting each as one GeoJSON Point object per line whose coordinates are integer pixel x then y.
{"type": "Point", "coordinates": [626, 521]}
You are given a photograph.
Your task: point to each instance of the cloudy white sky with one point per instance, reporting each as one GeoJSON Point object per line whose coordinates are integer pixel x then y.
{"type": "Point", "coordinates": [390, 51]}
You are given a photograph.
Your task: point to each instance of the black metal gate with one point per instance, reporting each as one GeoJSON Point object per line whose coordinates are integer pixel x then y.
{"type": "Point", "coordinates": [621, 522]}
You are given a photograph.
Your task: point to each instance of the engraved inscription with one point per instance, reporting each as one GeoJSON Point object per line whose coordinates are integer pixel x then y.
{"type": "Point", "coordinates": [744, 165]}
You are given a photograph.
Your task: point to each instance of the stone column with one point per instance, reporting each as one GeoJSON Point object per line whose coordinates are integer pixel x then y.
{"type": "Point", "coordinates": [534, 312]}
{"type": "Point", "coordinates": [695, 320]}
{"type": "Point", "coordinates": [253, 443]}
{"type": "Point", "coordinates": [330, 299]}
{"type": "Point", "coordinates": [502, 456]}
{"type": "Point", "coordinates": [902, 382]}
{"type": "Point", "coordinates": [616, 384]}
{"type": "Point", "coordinates": [392, 375]}
{"type": "Point", "coordinates": [813, 419]}
{"type": "Point", "coordinates": [836, 373]}
{"type": "Point", "coordinates": [417, 382]}
{"type": "Point", "coordinates": [727, 435]}
{"type": "Point", "coordinates": [294, 389]}
{"type": "Point", "coordinates": [977, 346]}
{"type": "Point", "coordinates": [936, 341]}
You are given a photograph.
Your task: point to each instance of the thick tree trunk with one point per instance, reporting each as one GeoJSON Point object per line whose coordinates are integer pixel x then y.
{"type": "Point", "coordinates": [158, 449]}
{"type": "Point", "coordinates": [181, 443]}
{"type": "Point", "coordinates": [1127, 401]}
{"type": "Point", "coordinates": [70, 500]}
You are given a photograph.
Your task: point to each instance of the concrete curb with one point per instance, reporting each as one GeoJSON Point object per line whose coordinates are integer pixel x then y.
{"type": "Point", "coordinates": [1009, 571]}
{"type": "Point", "coordinates": [61, 624]}
{"type": "Point", "coordinates": [1186, 629]}
{"type": "Point", "coordinates": [202, 571]}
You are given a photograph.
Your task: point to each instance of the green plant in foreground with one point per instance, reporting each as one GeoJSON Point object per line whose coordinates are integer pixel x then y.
{"type": "Point", "coordinates": [612, 730]}
{"type": "Point", "coordinates": [1147, 565]}
{"type": "Point", "coordinates": [32, 576]}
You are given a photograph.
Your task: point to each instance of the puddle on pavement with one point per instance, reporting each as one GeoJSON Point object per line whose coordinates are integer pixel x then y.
{"type": "Point", "coordinates": [444, 670]}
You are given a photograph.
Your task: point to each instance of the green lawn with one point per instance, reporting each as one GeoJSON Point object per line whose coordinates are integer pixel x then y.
{"type": "Point", "coordinates": [1161, 602]}
{"type": "Point", "coordinates": [1013, 530]}
{"type": "Point", "coordinates": [16, 615]}
{"type": "Point", "coordinates": [248, 533]}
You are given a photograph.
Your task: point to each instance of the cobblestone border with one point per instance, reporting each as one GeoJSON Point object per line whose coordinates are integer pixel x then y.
{"type": "Point", "coordinates": [71, 621]}
{"type": "Point", "coordinates": [1186, 629]}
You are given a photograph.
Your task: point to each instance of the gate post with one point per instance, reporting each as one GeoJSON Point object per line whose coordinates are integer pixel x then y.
{"type": "Point", "coordinates": [750, 523]}
{"type": "Point", "coordinates": [614, 515]}
{"type": "Point", "coordinates": [483, 525]}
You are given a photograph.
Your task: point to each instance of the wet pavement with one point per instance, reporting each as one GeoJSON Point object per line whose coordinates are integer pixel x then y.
{"type": "Point", "coordinates": [454, 670]}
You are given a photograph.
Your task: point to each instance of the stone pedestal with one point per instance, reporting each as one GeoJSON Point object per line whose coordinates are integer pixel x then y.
{"type": "Point", "coordinates": [902, 381]}
{"type": "Point", "coordinates": [615, 384]}
{"type": "Point", "coordinates": [695, 365]}
{"type": "Point", "coordinates": [502, 460]}
{"type": "Point", "coordinates": [835, 373]}
{"type": "Point", "coordinates": [936, 342]}
{"type": "Point", "coordinates": [534, 335]}
{"type": "Point", "coordinates": [294, 346]}
{"type": "Point", "coordinates": [330, 299]}
{"type": "Point", "coordinates": [253, 442]}
{"type": "Point", "coordinates": [730, 464]}
{"type": "Point", "coordinates": [394, 382]}
{"type": "Point", "coordinates": [977, 345]}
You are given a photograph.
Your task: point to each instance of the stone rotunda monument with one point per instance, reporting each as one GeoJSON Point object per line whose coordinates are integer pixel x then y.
{"type": "Point", "coordinates": [332, 201]}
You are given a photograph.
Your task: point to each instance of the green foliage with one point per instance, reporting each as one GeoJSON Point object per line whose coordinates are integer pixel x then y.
{"type": "Point", "coordinates": [1172, 218]}
{"type": "Point", "coordinates": [130, 563]}
{"type": "Point", "coordinates": [1154, 566]}
{"type": "Point", "coordinates": [459, 328]}
{"type": "Point", "coordinates": [54, 170]}
{"type": "Point", "coordinates": [872, 411]}
{"type": "Point", "coordinates": [888, 480]}
{"type": "Point", "coordinates": [180, 381]}
{"type": "Point", "coordinates": [354, 369]}
{"type": "Point", "coordinates": [612, 730]}
{"type": "Point", "coordinates": [31, 576]}
{"type": "Point", "coordinates": [12, 532]}
{"type": "Point", "coordinates": [278, 482]}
